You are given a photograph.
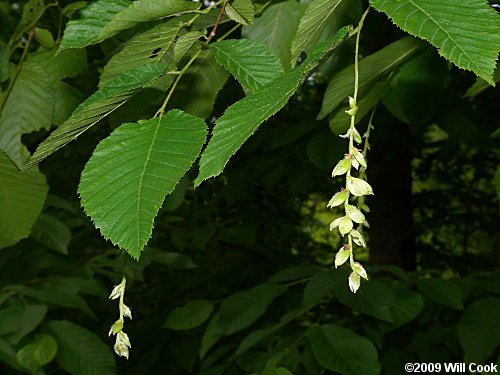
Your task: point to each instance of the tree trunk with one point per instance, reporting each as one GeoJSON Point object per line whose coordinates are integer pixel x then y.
{"type": "Point", "coordinates": [392, 237]}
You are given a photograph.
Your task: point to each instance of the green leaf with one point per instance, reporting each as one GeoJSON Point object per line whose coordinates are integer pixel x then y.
{"type": "Point", "coordinates": [177, 261]}
{"type": "Point", "coordinates": [478, 329]}
{"type": "Point", "coordinates": [320, 285]}
{"type": "Point", "coordinates": [240, 11]}
{"type": "Point", "coordinates": [316, 15]}
{"type": "Point", "coordinates": [21, 197]}
{"type": "Point", "coordinates": [442, 291]}
{"type": "Point", "coordinates": [415, 91]}
{"type": "Point", "coordinates": [17, 321]}
{"type": "Point", "coordinates": [96, 107]}
{"type": "Point", "coordinates": [145, 11]}
{"type": "Point", "coordinates": [52, 233]}
{"type": "Point", "coordinates": [467, 35]}
{"type": "Point", "coordinates": [4, 64]}
{"type": "Point", "coordinates": [184, 44]}
{"type": "Point", "coordinates": [38, 353]}
{"type": "Point", "coordinates": [32, 11]}
{"type": "Point", "coordinates": [198, 89]}
{"type": "Point", "coordinates": [256, 336]}
{"type": "Point", "coordinates": [57, 296]}
{"type": "Point", "coordinates": [371, 68]}
{"type": "Point", "coordinates": [127, 178]}
{"type": "Point", "coordinates": [250, 62]}
{"type": "Point", "coordinates": [191, 315]}
{"type": "Point", "coordinates": [276, 28]}
{"type": "Point", "coordinates": [8, 355]}
{"type": "Point", "coordinates": [93, 18]}
{"type": "Point", "coordinates": [28, 108]}
{"type": "Point", "coordinates": [480, 85]}
{"type": "Point", "coordinates": [243, 118]}
{"type": "Point", "coordinates": [44, 37]}
{"type": "Point", "coordinates": [39, 98]}
{"type": "Point", "coordinates": [241, 309]}
{"type": "Point", "coordinates": [210, 337]}
{"type": "Point", "coordinates": [146, 47]}
{"type": "Point", "coordinates": [406, 306]}
{"type": "Point", "coordinates": [373, 299]}
{"type": "Point", "coordinates": [343, 351]}
{"type": "Point", "coordinates": [81, 352]}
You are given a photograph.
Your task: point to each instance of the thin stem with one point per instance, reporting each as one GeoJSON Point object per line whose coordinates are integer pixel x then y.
{"type": "Point", "coordinates": [161, 111]}
{"type": "Point", "coordinates": [351, 253]}
{"type": "Point", "coordinates": [357, 31]}
{"type": "Point", "coordinates": [214, 31]}
{"type": "Point", "coordinates": [18, 70]}
{"type": "Point", "coordinates": [122, 295]}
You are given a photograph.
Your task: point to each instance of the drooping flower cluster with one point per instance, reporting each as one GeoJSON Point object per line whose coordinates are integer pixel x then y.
{"type": "Point", "coordinates": [122, 343]}
{"type": "Point", "coordinates": [357, 188]}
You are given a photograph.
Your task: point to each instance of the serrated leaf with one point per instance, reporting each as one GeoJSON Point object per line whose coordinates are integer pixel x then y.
{"type": "Point", "coordinates": [250, 62]}
{"type": "Point", "coordinates": [240, 11]}
{"type": "Point", "coordinates": [81, 352]}
{"type": "Point", "coordinates": [96, 107]}
{"type": "Point", "coordinates": [276, 28]}
{"type": "Point", "coordinates": [184, 44]}
{"type": "Point", "coordinates": [241, 309]}
{"type": "Point", "coordinates": [371, 68]}
{"type": "Point", "coordinates": [38, 353]}
{"type": "Point", "coordinates": [316, 15]}
{"type": "Point", "coordinates": [127, 178]}
{"type": "Point", "coordinates": [52, 233]}
{"type": "Point", "coordinates": [146, 47]}
{"type": "Point", "coordinates": [191, 315]}
{"type": "Point", "coordinates": [199, 87]}
{"type": "Point", "coordinates": [478, 329]}
{"type": "Point", "coordinates": [480, 85]}
{"type": "Point", "coordinates": [28, 108]}
{"type": "Point", "coordinates": [467, 36]}
{"type": "Point", "coordinates": [145, 11]}
{"type": "Point", "coordinates": [243, 118]}
{"type": "Point", "coordinates": [21, 197]}
{"type": "Point", "coordinates": [442, 291]}
{"type": "Point", "coordinates": [93, 18]}
{"type": "Point", "coordinates": [343, 351]}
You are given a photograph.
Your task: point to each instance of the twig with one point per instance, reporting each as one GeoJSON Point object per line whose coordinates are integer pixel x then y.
{"type": "Point", "coordinates": [212, 34]}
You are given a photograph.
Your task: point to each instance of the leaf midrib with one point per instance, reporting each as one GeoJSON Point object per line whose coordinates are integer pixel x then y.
{"type": "Point", "coordinates": [142, 179]}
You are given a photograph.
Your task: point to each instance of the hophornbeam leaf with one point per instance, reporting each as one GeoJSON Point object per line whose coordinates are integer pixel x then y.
{"type": "Point", "coordinates": [276, 28]}
{"type": "Point", "coordinates": [127, 178]}
{"type": "Point", "coordinates": [96, 107]}
{"type": "Point", "coordinates": [317, 14]}
{"type": "Point", "coordinates": [243, 118]}
{"type": "Point", "coordinates": [103, 19]}
{"type": "Point", "coordinates": [465, 32]}
{"type": "Point", "coordinates": [371, 68]}
{"type": "Point", "coordinates": [143, 48]}
{"type": "Point", "coordinates": [21, 197]}
{"type": "Point", "coordinates": [252, 63]}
